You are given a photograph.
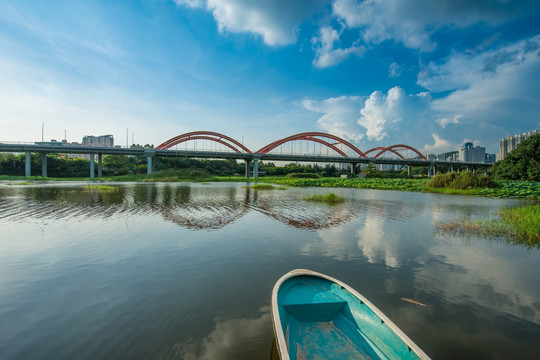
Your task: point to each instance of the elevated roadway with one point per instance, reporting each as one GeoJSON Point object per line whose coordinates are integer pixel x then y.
{"type": "Point", "coordinates": [247, 157]}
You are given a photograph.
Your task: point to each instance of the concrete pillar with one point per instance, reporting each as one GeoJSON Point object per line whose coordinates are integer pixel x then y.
{"type": "Point", "coordinates": [409, 170]}
{"type": "Point", "coordinates": [256, 169]}
{"type": "Point", "coordinates": [485, 171]}
{"type": "Point", "coordinates": [44, 164]}
{"type": "Point", "coordinates": [353, 169]}
{"type": "Point", "coordinates": [92, 165]}
{"type": "Point", "coordinates": [28, 164]}
{"type": "Point", "coordinates": [149, 164]}
{"type": "Point", "coordinates": [247, 169]}
{"type": "Point", "coordinates": [99, 170]}
{"type": "Point", "coordinates": [429, 171]}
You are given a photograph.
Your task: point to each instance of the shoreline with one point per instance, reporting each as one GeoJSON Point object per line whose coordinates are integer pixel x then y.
{"type": "Point", "coordinates": [506, 189]}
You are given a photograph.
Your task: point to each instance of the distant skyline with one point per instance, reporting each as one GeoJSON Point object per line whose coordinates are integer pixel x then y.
{"type": "Point", "coordinates": [430, 74]}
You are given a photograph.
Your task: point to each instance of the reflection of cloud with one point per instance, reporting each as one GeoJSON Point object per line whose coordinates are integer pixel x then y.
{"type": "Point", "coordinates": [229, 339]}
{"type": "Point", "coordinates": [477, 273]}
{"type": "Point", "coordinates": [377, 247]}
{"type": "Point", "coordinates": [336, 243]}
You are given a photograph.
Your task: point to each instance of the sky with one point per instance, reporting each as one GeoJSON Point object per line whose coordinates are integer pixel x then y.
{"type": "Point", "coordinates": [431, 74]}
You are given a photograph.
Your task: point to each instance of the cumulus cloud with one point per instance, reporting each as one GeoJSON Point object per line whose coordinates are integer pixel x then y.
{"type": "Point", "coordinates": [383, 112]}
{"type": "Point", "coordinates": [340, 114]}
{"type": "Point", "coordinates": [325, 52]}
{"type": "Point", "coordinates": [449, 120]}
{"type": "Point", "coordinates": [441, 145]}
{"type": "Point", "coordinates": [412, 22]}
{"type": "Point", "coordinates": [276, 21]}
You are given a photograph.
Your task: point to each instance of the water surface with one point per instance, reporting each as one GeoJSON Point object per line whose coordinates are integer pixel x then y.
{"type": "Point", "coordinates": [185, 271]}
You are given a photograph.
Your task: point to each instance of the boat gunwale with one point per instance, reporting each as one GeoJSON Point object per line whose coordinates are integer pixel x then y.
{"type": "Point", "coordinates": [278, 330]}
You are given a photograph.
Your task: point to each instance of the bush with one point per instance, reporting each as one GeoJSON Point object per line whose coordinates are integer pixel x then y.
{"type": "Point", "coordinates": [303, 175]}
{"type": "Point", "coordinates": [462, 180]}
{"type": "Point", "coordinates": [523, 163]}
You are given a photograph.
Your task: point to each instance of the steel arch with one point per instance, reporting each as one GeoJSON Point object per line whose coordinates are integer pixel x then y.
{"type": "Point", "coordinates": [400, 147]}
{"type": "Point", "coordinates": [205, 135]}
{"type": "Point", "coordinates": [312, 136]}
{"type": "Point", "coordinates": [384, 149]}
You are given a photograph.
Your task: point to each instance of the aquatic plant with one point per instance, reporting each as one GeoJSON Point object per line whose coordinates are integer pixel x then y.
{"type": "Point", "coordinates": [262, 186]}
{"type": "Point", "coordinates": [330, 198]}
{"type": "Point", "coordinates": [519, 225]}
{"type": "Point", "coordinates": [463, 180]}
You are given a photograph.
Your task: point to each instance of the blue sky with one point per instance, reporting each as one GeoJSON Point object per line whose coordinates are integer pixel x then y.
{"type": "Point", "coordinates": [431, 74]}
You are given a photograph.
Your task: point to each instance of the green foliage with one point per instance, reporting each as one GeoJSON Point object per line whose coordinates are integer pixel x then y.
{"type": "Point", "coordinates": [262, 186]}
{"type": "Point", "coordinates": [520, 225]}
{"type": "Point", "coordinates": [463, 180]}
{"type": "Point", "coordinates": [330, 198]}
{"type": "Point", "coordinates": [371, 171]}
{"type": "Point", "coordinates": [523, 163]}
{"type": "Point", "coordinates": [302, 175]}
{"type": "Point", "coordinates": [504, 189]}
{"type": "Point", "coordinates": [62, 166]}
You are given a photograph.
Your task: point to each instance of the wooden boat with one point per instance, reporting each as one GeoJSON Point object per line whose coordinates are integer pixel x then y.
{"type": "Point", "coordinates": [318, 317]}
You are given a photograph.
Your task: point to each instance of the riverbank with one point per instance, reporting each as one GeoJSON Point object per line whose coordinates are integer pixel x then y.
{"type": "Point", "coordinates": [504, 189]}
{"type": "Point", "coordinates": [519, 225]}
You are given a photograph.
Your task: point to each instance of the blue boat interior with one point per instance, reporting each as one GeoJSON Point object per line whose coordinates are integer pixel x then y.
{"type": "Point", "coordinates": [323, 320]}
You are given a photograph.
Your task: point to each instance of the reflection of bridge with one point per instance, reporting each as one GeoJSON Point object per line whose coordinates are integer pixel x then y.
{"type": "Point", "coordinates": [338, 150]}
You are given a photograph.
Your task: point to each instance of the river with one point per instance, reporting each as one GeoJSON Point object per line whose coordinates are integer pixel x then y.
{"type": "Point", "coordinates": [185, 271]}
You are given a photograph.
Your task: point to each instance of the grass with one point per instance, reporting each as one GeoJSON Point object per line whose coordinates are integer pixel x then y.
{"type": "Point", "coordinates": [330, 198]}
{"type": "Point", "coordinates": [103, 188]}
{"type": "Point", "coordinates": [261, 186]}
{"type": "Point", "coordinates": [519, 225]}
{"type": "Point", "coordinates": [503, 189]}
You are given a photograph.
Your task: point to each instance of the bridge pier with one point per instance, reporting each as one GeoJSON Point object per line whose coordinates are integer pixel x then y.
{"type": "Point", "coordinates": [247, 168]}
{"type": "Point", "coordinates": [92, 165]}
{"type": "Point", "coordinates": [44, 164]}
{"type": "Point", "coordinates": [28, 164]}
{"type": "Point", "coordinates": [256, 168]}
{"type": "Point", "coordinates": [99, 169]}
{"type": "Point", "coordinates": [430, 169]}
{"type": "Point", "coordinates": [408, 170]}
{"type": "Point", "coordinates": [353, 170]}
{"type": "Point", "coordinates": [149, 163]}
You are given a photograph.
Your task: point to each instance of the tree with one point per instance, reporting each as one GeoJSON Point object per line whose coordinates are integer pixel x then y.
{"type": "Point", "coordinates": [523, 163]}
{"type": "Point", "coordinates": [371, 170]}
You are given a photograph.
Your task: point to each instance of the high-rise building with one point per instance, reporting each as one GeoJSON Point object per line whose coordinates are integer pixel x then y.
{"type": "Point", "coordinates": [509, 143]}
{"type": "Point", "coordinates": [102, 141]}
{"type": "Point", "coordinates": [471, 153]}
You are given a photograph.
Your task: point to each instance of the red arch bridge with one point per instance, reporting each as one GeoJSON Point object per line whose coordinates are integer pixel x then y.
{"type": "Point", "coordinates": [310, 147]}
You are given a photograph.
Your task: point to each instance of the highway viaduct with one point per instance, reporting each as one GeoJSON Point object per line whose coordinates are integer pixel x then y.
{"type": "Point", "coordinates": [247, 157]}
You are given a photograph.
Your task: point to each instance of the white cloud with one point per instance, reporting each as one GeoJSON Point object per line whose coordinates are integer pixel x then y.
{"type": "Point", "coordinates": [412, 22]}
{"type": "Point", "coordinates": [383, 112]}
{"type": "Point", "coordinates": [275, 21]}
{"type": "Point", "coordinates": [493, 90]}
{"type": "Point", "coordinates": [190, 3]}
{"type": "Point", "coordinates": [326, 54]}
{"type": "Point", "coordinates": [449, 120]}
{"type": "Point", "coordinates": [440, 145]}
{"type": "Point", "coordinates": [340, 114]}
{"type": "Point", "coordinates": [395, 70]}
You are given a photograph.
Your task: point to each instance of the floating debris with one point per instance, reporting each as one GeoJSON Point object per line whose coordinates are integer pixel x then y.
{"type": "Point", "coordinates": [413, 301]}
